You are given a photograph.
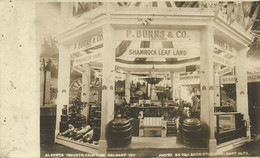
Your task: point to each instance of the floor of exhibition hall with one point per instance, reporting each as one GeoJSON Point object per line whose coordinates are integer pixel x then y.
{"type": "Point", "coordinates": [139, 145]}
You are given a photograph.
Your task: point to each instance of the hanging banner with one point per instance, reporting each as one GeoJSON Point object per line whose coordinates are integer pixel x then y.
{"type": "Point", "coordinates": [223, 60]}
{"type": "Point", "coordinates": [87, 43]}
{"type": "Point", "coordinates": [157, 34]}
{"type": "Point", "coordinates": [157, 53]}
{"type": "Point", "coordinates": [88, 58]}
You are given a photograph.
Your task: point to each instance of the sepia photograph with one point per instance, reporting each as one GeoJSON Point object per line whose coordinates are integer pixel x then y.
{"type": "Point", "coordinates": [134, 79]}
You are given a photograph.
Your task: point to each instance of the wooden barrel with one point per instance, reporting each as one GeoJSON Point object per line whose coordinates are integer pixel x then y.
{"type": "Point", "coordinates": [191, 132]}
{"type": "Point", "coordinates": [121, 133]}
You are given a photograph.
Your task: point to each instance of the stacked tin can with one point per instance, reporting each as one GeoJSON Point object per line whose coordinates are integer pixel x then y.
{"type": "Point", "coordinates": [64, 119]}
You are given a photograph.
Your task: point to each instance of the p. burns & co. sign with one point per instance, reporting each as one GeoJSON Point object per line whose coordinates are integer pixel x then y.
{"type": "Point", "coordinates": [156, 34]}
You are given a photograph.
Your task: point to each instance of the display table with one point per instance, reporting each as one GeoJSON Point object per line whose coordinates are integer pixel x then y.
{"type": "Point", "coordinates": [154, 111]}
{"type": "Point", "coordinates": [229, 126]}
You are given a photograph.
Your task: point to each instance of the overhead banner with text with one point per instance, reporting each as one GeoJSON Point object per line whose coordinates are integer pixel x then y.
{"type": "Point", "coordinates": [157, 52]}
{"type": "Point", "coordinates": [158, 34]}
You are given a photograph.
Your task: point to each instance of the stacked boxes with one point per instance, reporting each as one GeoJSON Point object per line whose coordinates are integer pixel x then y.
{"type": "Point", "coordinates": [64, 119]}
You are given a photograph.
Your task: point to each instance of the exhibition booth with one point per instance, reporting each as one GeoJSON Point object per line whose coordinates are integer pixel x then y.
{"type": "Point", "coordinates": [152, 73]}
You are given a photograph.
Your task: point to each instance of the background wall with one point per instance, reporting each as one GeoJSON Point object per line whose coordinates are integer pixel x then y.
{"type": "Point", "coordinates": [19, 81]}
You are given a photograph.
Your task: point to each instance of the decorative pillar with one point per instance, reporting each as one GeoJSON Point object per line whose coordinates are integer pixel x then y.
{"type": "Point", "coordinates": [241, 86]}
{"type": "Point", "coordinates": [175, 86]}
{"type": "Point", "coordinates": [149, 90]}
{"type": "Point", "coordinates": [85, 91]}
{"type": "Point", "coordinates": [207, 82]}
{"type": "Point", "coordinates": [63, 84]}
{"type": "Point", "coordinates": [153, 92]}
{"type": "Point", "coordinates": [127, 87]}
{"type": "Point", "coordinates": [217, 87]}
{"type": "Point", "coordinates": [108, 83]}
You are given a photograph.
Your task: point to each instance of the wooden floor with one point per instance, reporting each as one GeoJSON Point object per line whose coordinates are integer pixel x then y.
{"type": "Point", "coordinates": [154, 142]}
{"type": "Point", "coordinates": [155, 147]}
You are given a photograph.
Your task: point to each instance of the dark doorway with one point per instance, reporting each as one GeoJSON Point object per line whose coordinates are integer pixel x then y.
{"type": "Point", "coordinates": [254, 107]}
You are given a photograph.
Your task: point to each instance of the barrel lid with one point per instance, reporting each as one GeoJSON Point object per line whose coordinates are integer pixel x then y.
{"type": "Point", "coordinates": [120, 121]}
{"type": "Point", "coordinates": [191, 121]}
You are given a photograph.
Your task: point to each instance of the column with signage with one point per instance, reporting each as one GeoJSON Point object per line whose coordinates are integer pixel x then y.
{"type": "Point", "coordinates": [108, 83]}
{"type": "Point", "coordinates": [85, 91]}
{"type": "Point", "coordinates": [207, 82]}
{"type": "Point", "coordinates": [241, 86]}
{"type": "Point", "coordinates": [63, 84]}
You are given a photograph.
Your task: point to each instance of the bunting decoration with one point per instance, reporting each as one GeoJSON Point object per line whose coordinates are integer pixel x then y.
{"type": "Point", "coordinates": [244, 13]}
{"type": "Point", "coordinates": [240, 14]}
{"type": "Point", "coordinates": [252, 19]}
{"type": "Point", "coordinates": [230, 7]}
{"type": "Point", "coordinates": [246, 8]}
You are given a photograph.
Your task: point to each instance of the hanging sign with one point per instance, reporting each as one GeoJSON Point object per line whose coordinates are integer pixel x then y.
{"type": "Point", "coordinates": [88, 58]}
{"type": "Point", "coordinates": [224, 71]}
{"type": "Point", "coordinates": [232, 79]}
{"type": "Point", "coordinates": [253, 77]}
{"type": "Point", "coordinates": [228, 80]}
{"type": "Point", "coordinates": [157, 34]}
{"type": "Point", "coordinates": [222, 60]}
{"type": "Point", "coordinates": [156, 53]}
{"type": "Point", "coordinates": [79, 69]}
{"type": "Point", "coordinates": [118, 76]}
{"type": "Point", "coordinates": [88, 43]}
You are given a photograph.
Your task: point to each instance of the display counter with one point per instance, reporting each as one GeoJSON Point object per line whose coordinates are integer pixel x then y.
{"type": "Point", "coordinates": [229, 126]}
{"type": "Point", "coordinates": [167, 112]}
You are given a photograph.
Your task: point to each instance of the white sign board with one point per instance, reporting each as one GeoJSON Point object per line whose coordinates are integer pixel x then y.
{"type": "Point", "coordinates": [189, 79]}
{"type": "Point", "coordinates": [224, 71]}
{"type": "Point", "coordinates": [156, 53]}
{"type": "Point", "coordinates": [232, 79]}
{"type": "Point", "coordinates": [223, 45]}
{"type": "Point", "coordinates": [79, 69]}
{"type": "Point", "coordinates": [228, 79]}
{"type": "Point", "coordinates": [88, 58]}
{"type": "Point", "coordinates": [118, 76]}
{"type": "Point", "coordinates": [158, 34]}
{"type": "Point", "coordinates": [253, 77]}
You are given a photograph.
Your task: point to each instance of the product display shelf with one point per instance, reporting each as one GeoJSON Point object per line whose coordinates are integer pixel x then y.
{"type": "Point", "coordinates": [78, 145]}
